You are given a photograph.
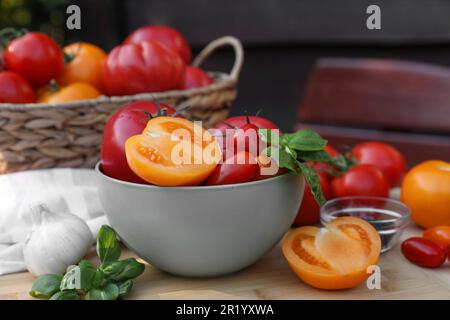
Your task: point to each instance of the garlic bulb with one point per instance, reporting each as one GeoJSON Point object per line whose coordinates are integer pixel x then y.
{"type": "Point", "coordinates": [56, 241]}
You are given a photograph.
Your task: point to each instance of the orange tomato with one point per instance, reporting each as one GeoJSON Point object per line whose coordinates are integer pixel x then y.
{"type": "Point", "coordinates": [439, 234]}
{"type": "Point", "coordinates": [426, 191]}
{"type": "Point", "coordinates": [173, 152]}
{"type": "Point", "coordinates": [86, 65]}
{"type": "Point", "coordinates": [334, 257]}
{"type": "Point", "coordinates": [73, 92]}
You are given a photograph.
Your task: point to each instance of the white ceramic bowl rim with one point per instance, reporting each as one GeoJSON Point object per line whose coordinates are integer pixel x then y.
{"type": "Point", "coordinates": [225, 186]}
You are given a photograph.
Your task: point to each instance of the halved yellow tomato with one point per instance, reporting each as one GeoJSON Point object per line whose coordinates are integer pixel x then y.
{"type": "Point", "coordinates": [173, 152]}
{"type": "Point", "coordinates": [334, 257]}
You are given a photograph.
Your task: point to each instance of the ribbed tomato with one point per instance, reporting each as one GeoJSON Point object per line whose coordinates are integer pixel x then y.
{"type": "Point", "coordinates": [166, 35]}
{"type": "Point", "coordinates": [144, 67]}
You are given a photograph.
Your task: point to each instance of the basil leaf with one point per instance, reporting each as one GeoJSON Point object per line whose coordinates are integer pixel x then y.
{"type": "Point", "coordinates": [66, 295]}
{"type": "Point", "coordinates": [124, 270]}
{"type": "Point", "coordinates": [99, 279]}
{"type": "Point", "coordinates": [124, 287]}
{"type": "Point", "coordinates": [286, 160]}
{"type": "Point", "coordinates": [303, 140]}
{"type": "Point", "coordinates": [316, 156]}
{"type": "Point", "coordinates": [108, 247]}
{"type": "Point", "coordinates": [88, 272]}
{"type": "Point", "coordinates": [313, 182]}
{"type": "Point", "coordinates": [45, 286]}
{"type": "Point", "coordinates": [108, 292]}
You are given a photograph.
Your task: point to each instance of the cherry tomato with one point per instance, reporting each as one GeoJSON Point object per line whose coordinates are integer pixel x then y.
{"type": "Point", "coordinates": [36, 57]}
{"type": "Point", "coordinates": [324, 168]}
{"type": "Point", "coordinates": [242, 167]}
{"type": "Point", "coordinates": [86, 65]}
{"type": "Point", "coordinates": [128, 121]}
{"type": "Point", "coordinates": [15, 89]}
{"type": "Point", "coordinates": [361, 180]}
{"type": "Point", "coordinates": [153, 155]}
{"type": "Point", "coordinates": [195, 78]}
{"type": "Point", "coordinates": [166, 35]}
{"type": "Point", "coordinates": [423, 252]}
{"type": "Point", "coordinates": [385, 157]}
{"type": "Point", "coordinates": [309, 212]}
{"type": "Point", "coordinates": [73, 92]}
{"type": "Point", "coordinates": [145, 67]}
{"type": "Point", "coordinates": [439, 234]}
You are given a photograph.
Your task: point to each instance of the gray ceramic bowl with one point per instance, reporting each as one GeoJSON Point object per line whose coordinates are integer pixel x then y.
{"type": "Point", "coordinates": [201, 231]}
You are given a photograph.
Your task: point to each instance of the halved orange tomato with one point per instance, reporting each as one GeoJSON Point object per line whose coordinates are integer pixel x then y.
{"type": "Point", "coordinates": [334, 257]}
{"type": "Point", "coordinates": [173, 152]}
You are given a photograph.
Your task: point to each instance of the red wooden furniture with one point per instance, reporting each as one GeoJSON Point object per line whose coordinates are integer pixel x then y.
{"type": "Point", "coordinates": [403, 103]}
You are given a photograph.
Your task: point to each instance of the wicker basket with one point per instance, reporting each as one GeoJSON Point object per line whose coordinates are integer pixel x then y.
{"type": "Point", "coordinates": [68, 135]}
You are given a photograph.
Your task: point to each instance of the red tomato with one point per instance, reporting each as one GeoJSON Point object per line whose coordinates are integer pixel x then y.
{"type": "Point", "coordinates": [169, 36]}
{"type": "Point", "coordinates": [385, 157]}
{"type": "Point", "coordinates": [128, 121]}
{"type": "Point", "coordinates": [145, 67]}
{"type": "Point", "coordinates": [423, 252]}
{"type": "Point", "coordinates": [247, 138]}
{"type": "Point", "coordinates": [309, 212]}
{"type": "Point", "coordinates": [195, 78]}
{"type": "Point", "coordinates": [36, 57]}
{"type": "Point", "coordinates": [439, 234]}
{"type": "Point", "coordinates": [324, 168]}
{"type": "Point", "coordinates": [231, 171]}
{"type": "Point", "coordinates": [240, 121]}
{"type": "Point", "coordinates": [360, 180]}
{"type": "Point", "coordinates": [15, 89]}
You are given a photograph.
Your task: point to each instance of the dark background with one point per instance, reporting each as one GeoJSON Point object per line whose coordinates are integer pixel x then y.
{"type": "Point", "coordinates": [282, 39]}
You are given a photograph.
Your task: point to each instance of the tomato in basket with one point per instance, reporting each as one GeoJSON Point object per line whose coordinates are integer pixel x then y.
{"type": "Point", "coordinates": [85, 65]}
{"type": "Point", "coordinates": [36, 57]}
{"type": "Point", "coordinates": [15, 89]}
{"type": "Point", "coordinates": [144, 67]}
{"type": "Point", "coordinates": [73, 92]}
{"type": "Point", "coordinates": [195, 78]}
{"type": "Point", "coordinates": [164, 34]}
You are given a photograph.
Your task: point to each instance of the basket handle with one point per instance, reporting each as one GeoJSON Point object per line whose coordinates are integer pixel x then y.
{"type": "Point", "coordinates": [221, 42]}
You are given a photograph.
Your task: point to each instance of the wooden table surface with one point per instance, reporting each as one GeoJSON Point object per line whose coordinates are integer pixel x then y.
{"type": "Point", "coordinates": [271, 278]}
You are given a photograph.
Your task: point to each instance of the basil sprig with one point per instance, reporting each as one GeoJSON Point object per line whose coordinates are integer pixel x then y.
{"type": "Point", "coordinates": [293, 150]}
{"type": "Point", "coordinates": [113, 279]}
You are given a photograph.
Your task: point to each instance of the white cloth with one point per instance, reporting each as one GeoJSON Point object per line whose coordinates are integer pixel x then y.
{"type": "Point", "coordinates": [62, 190]}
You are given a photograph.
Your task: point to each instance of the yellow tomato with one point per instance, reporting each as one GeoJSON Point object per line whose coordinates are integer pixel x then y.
{"type": "Point", "coordinates": [334, 257]}
{"type": "Point", "coordinates": [73, 92]}
{"type": "Point", "coordinates": [86, 65]}
{"type": "Point", "coordinates": [172, 152]}
{"type": "Point", "coordinates": [426, 191]}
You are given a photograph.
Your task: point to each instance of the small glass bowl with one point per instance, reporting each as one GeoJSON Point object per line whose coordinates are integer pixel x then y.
{"type": "Point", "coordinates": [389, 217]}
